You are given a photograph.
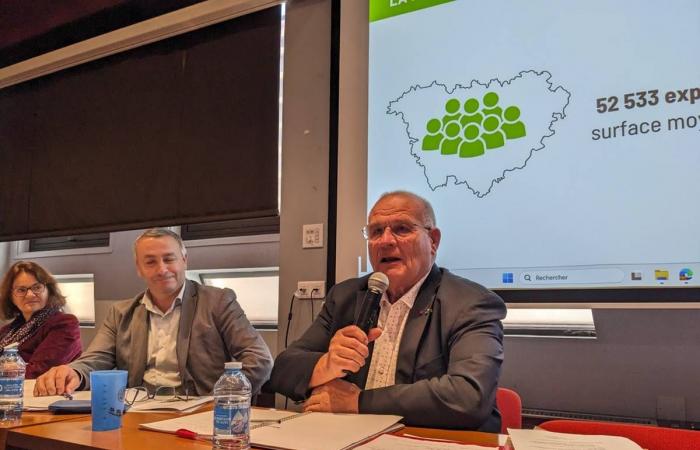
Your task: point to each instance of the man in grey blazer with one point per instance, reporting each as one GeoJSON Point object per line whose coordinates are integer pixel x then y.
{"type": "Point", "coordinates": [177, 333]}
{"type": "Point", "coordinates": [436, 359]}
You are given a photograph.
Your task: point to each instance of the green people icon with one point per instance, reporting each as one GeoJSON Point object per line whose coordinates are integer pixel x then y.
{"type": "Point", "coordinates": [493, 136]}
{"type": "Point", "coordinates": [472, 127]}
{"type": "Point", "coordinates": [512, 127]}
{"type": "Point", "coordinates": [473, 144]}
{"type": "Point", "coordinates": [431, 141]}
{"type": "Point", "coordinates": [471, 113]}
{"type": "Point", "coordinates": [450, 145]}
{"type": "Point", "coordinates": [491, 105]}
{"type": "Point", "coordinates": [452, 110]}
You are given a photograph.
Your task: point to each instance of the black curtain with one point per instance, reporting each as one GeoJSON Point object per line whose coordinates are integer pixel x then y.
{"type": "Point", "coordinates": [184, 130]}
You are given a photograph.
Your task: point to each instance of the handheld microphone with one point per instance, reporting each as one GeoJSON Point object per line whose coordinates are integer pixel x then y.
{"type": "Point", "coordinates": [369, 311]}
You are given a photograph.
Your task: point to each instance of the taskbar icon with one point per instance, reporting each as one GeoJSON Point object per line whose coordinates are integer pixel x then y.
{"type": "Point", "coordinates": [685, 274]}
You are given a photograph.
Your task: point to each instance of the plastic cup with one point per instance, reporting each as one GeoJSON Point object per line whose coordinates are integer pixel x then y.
{"type": "Point", "coordinates": [107, 398]}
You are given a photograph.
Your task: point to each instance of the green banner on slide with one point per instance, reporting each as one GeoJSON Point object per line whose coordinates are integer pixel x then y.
{"type": "Point", "coordinates": [383, 9]}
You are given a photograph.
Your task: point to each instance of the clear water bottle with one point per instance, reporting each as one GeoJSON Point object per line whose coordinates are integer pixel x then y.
{"type": "Point", "coordinates": [12, 369]}
{"type": "Point", "coordinates": [232, 409]}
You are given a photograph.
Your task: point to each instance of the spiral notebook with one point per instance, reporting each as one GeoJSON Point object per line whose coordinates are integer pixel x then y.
{"type": "Point", "coordinates": [285, 430]}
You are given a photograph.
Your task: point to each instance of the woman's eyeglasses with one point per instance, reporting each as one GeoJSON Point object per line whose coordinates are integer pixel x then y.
{"type": "Point", "coordinates": [162, 393]}
{"type": "Point", "coordinates": [21, 291]}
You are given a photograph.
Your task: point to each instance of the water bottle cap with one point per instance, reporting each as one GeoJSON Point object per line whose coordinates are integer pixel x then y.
{"type": "Point", "coordinates": [233, 365]}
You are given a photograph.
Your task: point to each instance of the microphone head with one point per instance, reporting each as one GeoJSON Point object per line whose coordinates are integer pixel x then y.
{"type": "Point", "coordinates": [378, 282]}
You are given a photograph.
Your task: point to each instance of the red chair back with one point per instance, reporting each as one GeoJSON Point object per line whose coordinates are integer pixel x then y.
{"type": "Point", "coordinates": [646, 436]}
{"type": "Point", "coordinates": [511, 408]}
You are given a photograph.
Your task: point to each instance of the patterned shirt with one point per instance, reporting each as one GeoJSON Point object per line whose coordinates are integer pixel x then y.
{"type": "Point", "coordinates": [392, 319]}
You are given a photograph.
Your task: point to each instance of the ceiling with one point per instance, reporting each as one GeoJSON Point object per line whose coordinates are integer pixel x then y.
{"type": "Point", "coordinates": [31, 28]}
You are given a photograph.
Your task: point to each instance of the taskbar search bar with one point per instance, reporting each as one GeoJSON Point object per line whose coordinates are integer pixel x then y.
{"type": "Point", "coordinates": [572, 276]}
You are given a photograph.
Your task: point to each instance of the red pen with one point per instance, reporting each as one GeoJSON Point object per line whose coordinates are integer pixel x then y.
{"type": "Point", "coordinates": [187, 434]}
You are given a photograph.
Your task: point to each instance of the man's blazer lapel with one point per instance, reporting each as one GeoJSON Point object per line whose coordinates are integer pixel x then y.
{"type": "Point", "coordinates": [138, 349]}
{"type": "Point", "coordinates": [189, 306]}
{"type": "Point", "coordinates": [413, 333]}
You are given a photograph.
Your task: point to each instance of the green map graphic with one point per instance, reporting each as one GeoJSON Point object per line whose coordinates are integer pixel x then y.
{"type": "Point", "coordinates": [473, 135]}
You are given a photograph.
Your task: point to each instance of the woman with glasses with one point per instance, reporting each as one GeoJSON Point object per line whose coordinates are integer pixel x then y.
{"type": "Point", "coordinates": [47, 337]}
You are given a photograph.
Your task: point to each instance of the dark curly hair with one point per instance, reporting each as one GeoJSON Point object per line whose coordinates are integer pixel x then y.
{"type": "Point", "coordinates": [8, 310]}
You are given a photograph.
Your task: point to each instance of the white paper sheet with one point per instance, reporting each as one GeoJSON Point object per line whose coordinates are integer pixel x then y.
{"type": "Point", "coordinates": [323, 431]}
{"type": "Point", "coordinates": [391, 442]}
{"type": "Point", "coordinates": [502, 438]}
{"type": "Point", "coordinates": [202, 423]}
{"type": "Point", "coordinates": [32, 403]}
{"type": "Point", "coordinates": [168, 404]}
{"type": "Point", "coordinates": [547, 440]}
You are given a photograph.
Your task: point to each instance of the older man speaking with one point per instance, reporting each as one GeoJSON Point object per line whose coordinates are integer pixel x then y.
{"type": "Point", "coordinates": [435, 357]}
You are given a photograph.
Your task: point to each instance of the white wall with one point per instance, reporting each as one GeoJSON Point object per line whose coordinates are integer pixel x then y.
{"type": "Point", "coordinates": [305, 153]}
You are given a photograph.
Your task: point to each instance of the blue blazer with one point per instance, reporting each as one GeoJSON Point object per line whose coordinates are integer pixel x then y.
{"type": "Point", "coordinates": [449, 358]}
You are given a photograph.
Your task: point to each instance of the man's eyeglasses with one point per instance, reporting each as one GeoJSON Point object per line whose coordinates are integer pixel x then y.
{"type": "Point", "coordinates": [21, 291]}
{"type": "Point", "coordinates": [162, 393]}
{"type": "Point", "coordinates": [403, 229]}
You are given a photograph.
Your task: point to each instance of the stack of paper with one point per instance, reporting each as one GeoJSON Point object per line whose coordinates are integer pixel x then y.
{"type": "Point", "coordinates": [548, 440]}
{"type": "Point", "coordinates": [169, 404]}
{"type": "Point", "coordinates": [32, 403]}
{"type": "Point", "coordinates": [323, 431]}
{"type": "Point", "coordinates": [202, 423]}
{"type": "Point", "coordinates": [391, 442]}
{"type": "Point", "coordinates": [520, 440]}
{"type": "Point", "coordinates": [291, 431]}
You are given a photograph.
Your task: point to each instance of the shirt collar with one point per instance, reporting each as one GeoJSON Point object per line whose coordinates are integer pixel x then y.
{"type": "Point", "coordinates": [409, 298]}
{"type": "Point", "coordinates": [150, 307]}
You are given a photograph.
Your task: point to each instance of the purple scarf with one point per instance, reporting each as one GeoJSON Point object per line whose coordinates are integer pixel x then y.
{"type": "Point", "coordinates": [20, 330]}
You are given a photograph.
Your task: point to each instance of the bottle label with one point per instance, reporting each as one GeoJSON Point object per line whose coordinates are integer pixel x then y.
{"type": "Point", "coordinates": [231, 418]}
{"type": "Point", "coordinates": [10, 387]}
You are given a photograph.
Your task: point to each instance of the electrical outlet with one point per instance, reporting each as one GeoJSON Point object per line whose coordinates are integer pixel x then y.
{"type": "Point", "coordinates": [311, 290]}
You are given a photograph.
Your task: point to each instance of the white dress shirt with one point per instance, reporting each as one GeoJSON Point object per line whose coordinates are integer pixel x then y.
{"type": "Point", "coordinates": [161, 365]}
{"type": "Point", "coordinates": [392, 319]}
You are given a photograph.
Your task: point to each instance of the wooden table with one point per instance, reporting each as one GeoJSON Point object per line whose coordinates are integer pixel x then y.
{"type": "Point", "coordinates": [467, 437]}
{"type": "Point", "coordinates": [77, 434]}
{"type": "Point", "coordinates": [33, 418]}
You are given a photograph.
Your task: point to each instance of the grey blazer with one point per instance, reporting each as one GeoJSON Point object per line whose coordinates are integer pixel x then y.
{"type": "Point", "coordinates": [449, 357]}
{"type": "Point", "coordinates": [213, 329]}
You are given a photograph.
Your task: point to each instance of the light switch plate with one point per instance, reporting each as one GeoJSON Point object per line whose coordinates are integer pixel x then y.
{"type": "Point", "coordinates": [312, 236]}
